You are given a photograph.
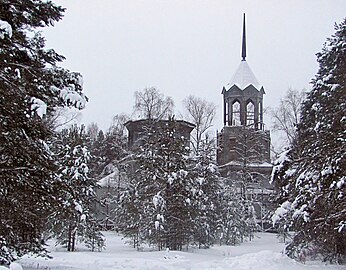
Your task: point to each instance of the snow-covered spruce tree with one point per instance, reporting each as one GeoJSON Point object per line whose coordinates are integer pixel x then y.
{"type": "Point", "coordinates": [134, 211]}
{"type": "Point", "coordinates": [128, 214]}
{"type": "Point", "coordinates": [107, 148]}
{"type": "Point", "coordinates": [96, 148]}
{"type": "Point", "coordinates": [312, 177]}
{"type": "Point", "coordinates": [112, 149]}
{"type": "Point", "coordinates": [233, 225]}
{"type": "Point", "coordinates": [206, 189]}
{"type": "Point", "coordinates": [282, 171]}
{"type": "Point", "coordinates": [75, 218]}
{"type": "Point", "coordinates": [30, 85]}
{"type": "Point", "coordinates": [160, 193]}
{"type": "Point", "coordinates": [206, 195]}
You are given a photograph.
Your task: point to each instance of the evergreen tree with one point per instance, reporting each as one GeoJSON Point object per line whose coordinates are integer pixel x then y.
{"type": "Point", "coordinates": [280, 217]}
{"type": "Point", "coordinates": [237, 220]}
{"type": "Point", "coordinates": [312, 177]}
{"type": "Point", "coordinates": [98, 161]}
{"type": "Point", "coordinates": [75, 218]}
{"type": "Point", "coordinates": [30, 85]}
{"type": "Point", "coordinates": [107, 148]}
{"type": "Point", "coordinates": [157, 205]}
{"type": "Point", "coordinates": [206, 198]}
{"type": "Point", "coordinates": [108, 165]}
{"type": "Point", "coordinates": [129, 216]}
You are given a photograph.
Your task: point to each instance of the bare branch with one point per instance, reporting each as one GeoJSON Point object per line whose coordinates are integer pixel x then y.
{"type": "Point", "coordinates": [286, 117]}
{"type": "Point", "coordinates": [201, 113]}
{"type": "Point", "coordinates": [61, 117]}
{"type": "Point", "coordinates": [151, 104]}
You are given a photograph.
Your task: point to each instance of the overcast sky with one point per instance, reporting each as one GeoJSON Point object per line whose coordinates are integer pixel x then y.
{"type": "Point", "coordinates": [187, 47]}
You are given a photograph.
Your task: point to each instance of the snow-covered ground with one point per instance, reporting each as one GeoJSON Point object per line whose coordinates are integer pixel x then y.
{"type": "Point", "coordinates": [264, 252]}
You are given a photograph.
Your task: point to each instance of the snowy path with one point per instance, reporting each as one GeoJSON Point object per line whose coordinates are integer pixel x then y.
{"type": "Point", "coordinates": [264, 252]}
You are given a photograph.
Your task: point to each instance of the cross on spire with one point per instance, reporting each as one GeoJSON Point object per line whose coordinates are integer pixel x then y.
{"type": "Point", "coordinates": [243, 50]}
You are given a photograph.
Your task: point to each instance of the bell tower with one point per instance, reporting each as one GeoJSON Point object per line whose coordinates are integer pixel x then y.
{"type": "Point", "coordinates": [243, 96]}
{"type": "Point", "coordinates": [243, 145]}
{"type": "Point", "coordinates": [243, 119]}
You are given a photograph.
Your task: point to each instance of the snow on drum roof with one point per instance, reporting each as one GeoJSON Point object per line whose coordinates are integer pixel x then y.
{"type": "Point", "coordinates": [243, 77]}
{"type": "Point", "coordinates": [111, 180]}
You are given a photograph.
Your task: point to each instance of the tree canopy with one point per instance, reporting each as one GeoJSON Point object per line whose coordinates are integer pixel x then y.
{"type": "Point", "coordinates": [31, 85]}
{"type": "Point", "coordinates": [311, 176]}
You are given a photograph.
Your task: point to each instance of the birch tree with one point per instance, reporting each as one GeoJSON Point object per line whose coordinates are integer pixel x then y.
{"type": "Point", "coordinates": [201, 113]}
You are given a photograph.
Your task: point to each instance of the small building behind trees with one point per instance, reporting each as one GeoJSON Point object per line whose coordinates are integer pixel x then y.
{"type": "Point", "coordinates": [117, 175]}
{"type": "Point", "coordinates": [138, 128]}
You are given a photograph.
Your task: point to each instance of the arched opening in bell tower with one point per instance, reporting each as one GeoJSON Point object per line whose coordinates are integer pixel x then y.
{"type": "Point", "coordinates": [250, 114]}
{"type": "Point", "coordinates": [236, 119]}
{"type": "Point", "coordinates": [260, 116]}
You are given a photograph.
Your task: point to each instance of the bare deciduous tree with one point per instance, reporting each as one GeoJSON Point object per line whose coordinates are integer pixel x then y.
{"type": "Point", "coordinates": [151, 104]}
{"type": "Point", "coordinates": [93, 130]}
{"type": "Point", "coordinates": [201, 113]}
{"type": "Point", "coordinates": [62, 117]}
{"type": "Point", "coordinates": [118, 124]}
{"type": "Point", "coordinates": [286, 116]}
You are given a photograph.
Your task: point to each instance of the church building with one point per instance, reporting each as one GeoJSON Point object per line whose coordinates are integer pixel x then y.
{"type": "Point", "coordinates": [243, 152]}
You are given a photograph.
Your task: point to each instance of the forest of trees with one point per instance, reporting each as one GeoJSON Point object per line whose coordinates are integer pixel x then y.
{"type": "Point", "coordinates": [171, 195]}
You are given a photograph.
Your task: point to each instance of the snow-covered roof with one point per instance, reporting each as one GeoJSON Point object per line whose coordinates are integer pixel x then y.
{"type": "Point", "coordinates": [252, 165]}
{"type": "Point", "coordinates": [243, 77]}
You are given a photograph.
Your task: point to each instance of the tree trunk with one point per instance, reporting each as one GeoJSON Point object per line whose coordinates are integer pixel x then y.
{"type": "Point", "coordinates": [69, 236]}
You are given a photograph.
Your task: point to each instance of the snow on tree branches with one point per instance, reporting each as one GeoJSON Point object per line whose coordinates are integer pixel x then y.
{"type": "Point", "coordinates": [312, 177]}
{"type": "Point", "coordinates": [31, 86]}
{"type": "Point", "coordinates": [170, 201]}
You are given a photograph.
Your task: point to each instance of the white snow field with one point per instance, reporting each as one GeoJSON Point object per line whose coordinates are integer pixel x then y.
{"type": "Point", "coordinates": [263, 253]}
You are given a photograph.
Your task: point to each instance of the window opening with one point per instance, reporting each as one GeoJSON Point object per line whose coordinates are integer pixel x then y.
{"type": "Point", "coordinates": [236, 114]}
{"type": "Point", "coordinates": [250, 114]}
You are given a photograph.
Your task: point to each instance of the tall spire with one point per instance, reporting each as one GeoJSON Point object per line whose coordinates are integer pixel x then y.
{"type": "Point", "coordinates": [243, 50]}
